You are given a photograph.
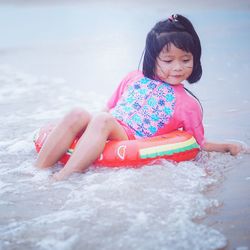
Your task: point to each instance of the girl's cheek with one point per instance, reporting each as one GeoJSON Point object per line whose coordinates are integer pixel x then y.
{"type": "Point", "coordinates": [159, 75]}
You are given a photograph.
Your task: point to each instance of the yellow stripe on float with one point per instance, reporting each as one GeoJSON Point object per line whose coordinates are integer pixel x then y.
{"type": "Point", "coordinates": [161, 148]}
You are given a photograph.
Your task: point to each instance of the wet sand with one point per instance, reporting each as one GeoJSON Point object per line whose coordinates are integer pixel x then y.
{"type": "Point", "coordinates": [232, 218]}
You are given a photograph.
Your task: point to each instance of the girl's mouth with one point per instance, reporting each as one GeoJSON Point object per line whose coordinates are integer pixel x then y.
{"type": "Point", "coordinates": [177, 76]}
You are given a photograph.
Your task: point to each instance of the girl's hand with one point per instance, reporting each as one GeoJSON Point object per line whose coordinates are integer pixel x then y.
{"type": "Point", "coordinates": [239, 147]}
{"type": "Point", "coordinates": [232, 148]}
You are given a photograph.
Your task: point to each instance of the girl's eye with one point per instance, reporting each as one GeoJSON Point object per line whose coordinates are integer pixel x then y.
{"type": "Point", "coordinates": [186, 60]}
{"type": "Point", "coordinates": [168, 61]}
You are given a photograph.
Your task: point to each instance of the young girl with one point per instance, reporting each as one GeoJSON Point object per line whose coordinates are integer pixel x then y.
{"type": "Point", "coordinates": [145, 104]}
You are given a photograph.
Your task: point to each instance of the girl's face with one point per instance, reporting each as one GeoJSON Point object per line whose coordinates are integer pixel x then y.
{"type": "Point", "coordinates": [173, 65]}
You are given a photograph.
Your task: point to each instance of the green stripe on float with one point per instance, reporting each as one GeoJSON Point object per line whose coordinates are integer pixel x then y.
{"type": "Point", "coordinates": [70, 151]}
{"type": "Point", "coordinates": [169, 152]}
{"type": "Point", "coordinates": [166, 149]}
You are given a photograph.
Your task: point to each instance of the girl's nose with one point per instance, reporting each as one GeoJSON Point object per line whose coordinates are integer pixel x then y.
{"type": "Point", "coordinates": [178, 66]}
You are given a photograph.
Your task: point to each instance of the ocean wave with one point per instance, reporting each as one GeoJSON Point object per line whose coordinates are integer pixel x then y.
{"type": "Point", "coordinates": [154, 207]}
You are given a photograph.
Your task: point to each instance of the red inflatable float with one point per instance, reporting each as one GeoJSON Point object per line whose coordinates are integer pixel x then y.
{"type": "Point", "coordinates": [176, 146]}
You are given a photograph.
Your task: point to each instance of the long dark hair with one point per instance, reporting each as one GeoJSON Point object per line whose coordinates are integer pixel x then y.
{"type": "Point", "coordinates": [177, 30]}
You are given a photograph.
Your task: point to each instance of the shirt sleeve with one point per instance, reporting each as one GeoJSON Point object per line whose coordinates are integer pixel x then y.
{"type": "Point", "coordinates": [120, 89]}
{"type": "Point", "coordinates": [193, 124]}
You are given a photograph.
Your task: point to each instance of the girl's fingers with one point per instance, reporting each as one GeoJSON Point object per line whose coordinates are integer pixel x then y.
{"type": "Point", "coordinates": [242, 146]}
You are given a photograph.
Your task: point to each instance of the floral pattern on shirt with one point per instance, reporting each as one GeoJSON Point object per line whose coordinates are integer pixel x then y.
{"type": "Point", "coordinates": [146, 106]}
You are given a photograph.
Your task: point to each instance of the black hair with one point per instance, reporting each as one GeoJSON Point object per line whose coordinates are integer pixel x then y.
{"type": "Point", "coordinates": [176, 30]}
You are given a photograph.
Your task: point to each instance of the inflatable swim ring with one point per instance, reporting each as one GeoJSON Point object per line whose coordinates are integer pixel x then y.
{"type": "Point", "coordinates": [176, 146]}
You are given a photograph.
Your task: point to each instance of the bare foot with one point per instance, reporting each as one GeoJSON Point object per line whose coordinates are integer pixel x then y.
{"type": "Point", "coordinates": [57, 176]}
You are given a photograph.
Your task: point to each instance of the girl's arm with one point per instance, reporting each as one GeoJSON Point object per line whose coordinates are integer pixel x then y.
{"type": "Point", "coordinates": [232, 148]}
{"type": "Point", "coordinates": [193, 125]}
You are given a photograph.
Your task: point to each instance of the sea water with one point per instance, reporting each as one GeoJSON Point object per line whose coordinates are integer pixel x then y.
{"type": "Point", "coordinates": [154, 207]}
{"type": "Point", "coordinates": [161, 206]}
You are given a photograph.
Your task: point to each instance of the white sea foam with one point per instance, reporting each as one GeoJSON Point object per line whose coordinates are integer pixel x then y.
{"type": "Point", "coordinates": [154, 207]}
{"type": "Point", "coordinates": [50, 242]}
{"type": "Point", "coordinates": [20, 146]}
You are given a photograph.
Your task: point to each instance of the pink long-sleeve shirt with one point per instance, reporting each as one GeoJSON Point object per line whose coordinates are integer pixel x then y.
{"type": "Point", "coordinates": [147, 107]}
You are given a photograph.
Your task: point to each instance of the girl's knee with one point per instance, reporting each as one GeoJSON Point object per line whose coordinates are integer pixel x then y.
{"type": "Point", "coordinates": [103, 121]}
{"type": "Point", "coordinates": [77, 119]}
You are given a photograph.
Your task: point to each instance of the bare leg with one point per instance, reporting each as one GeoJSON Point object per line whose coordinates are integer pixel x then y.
{"type": "Point", "coordinates": [62, 136]}
{"type": "Point", "coordinates": [91, 144]}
